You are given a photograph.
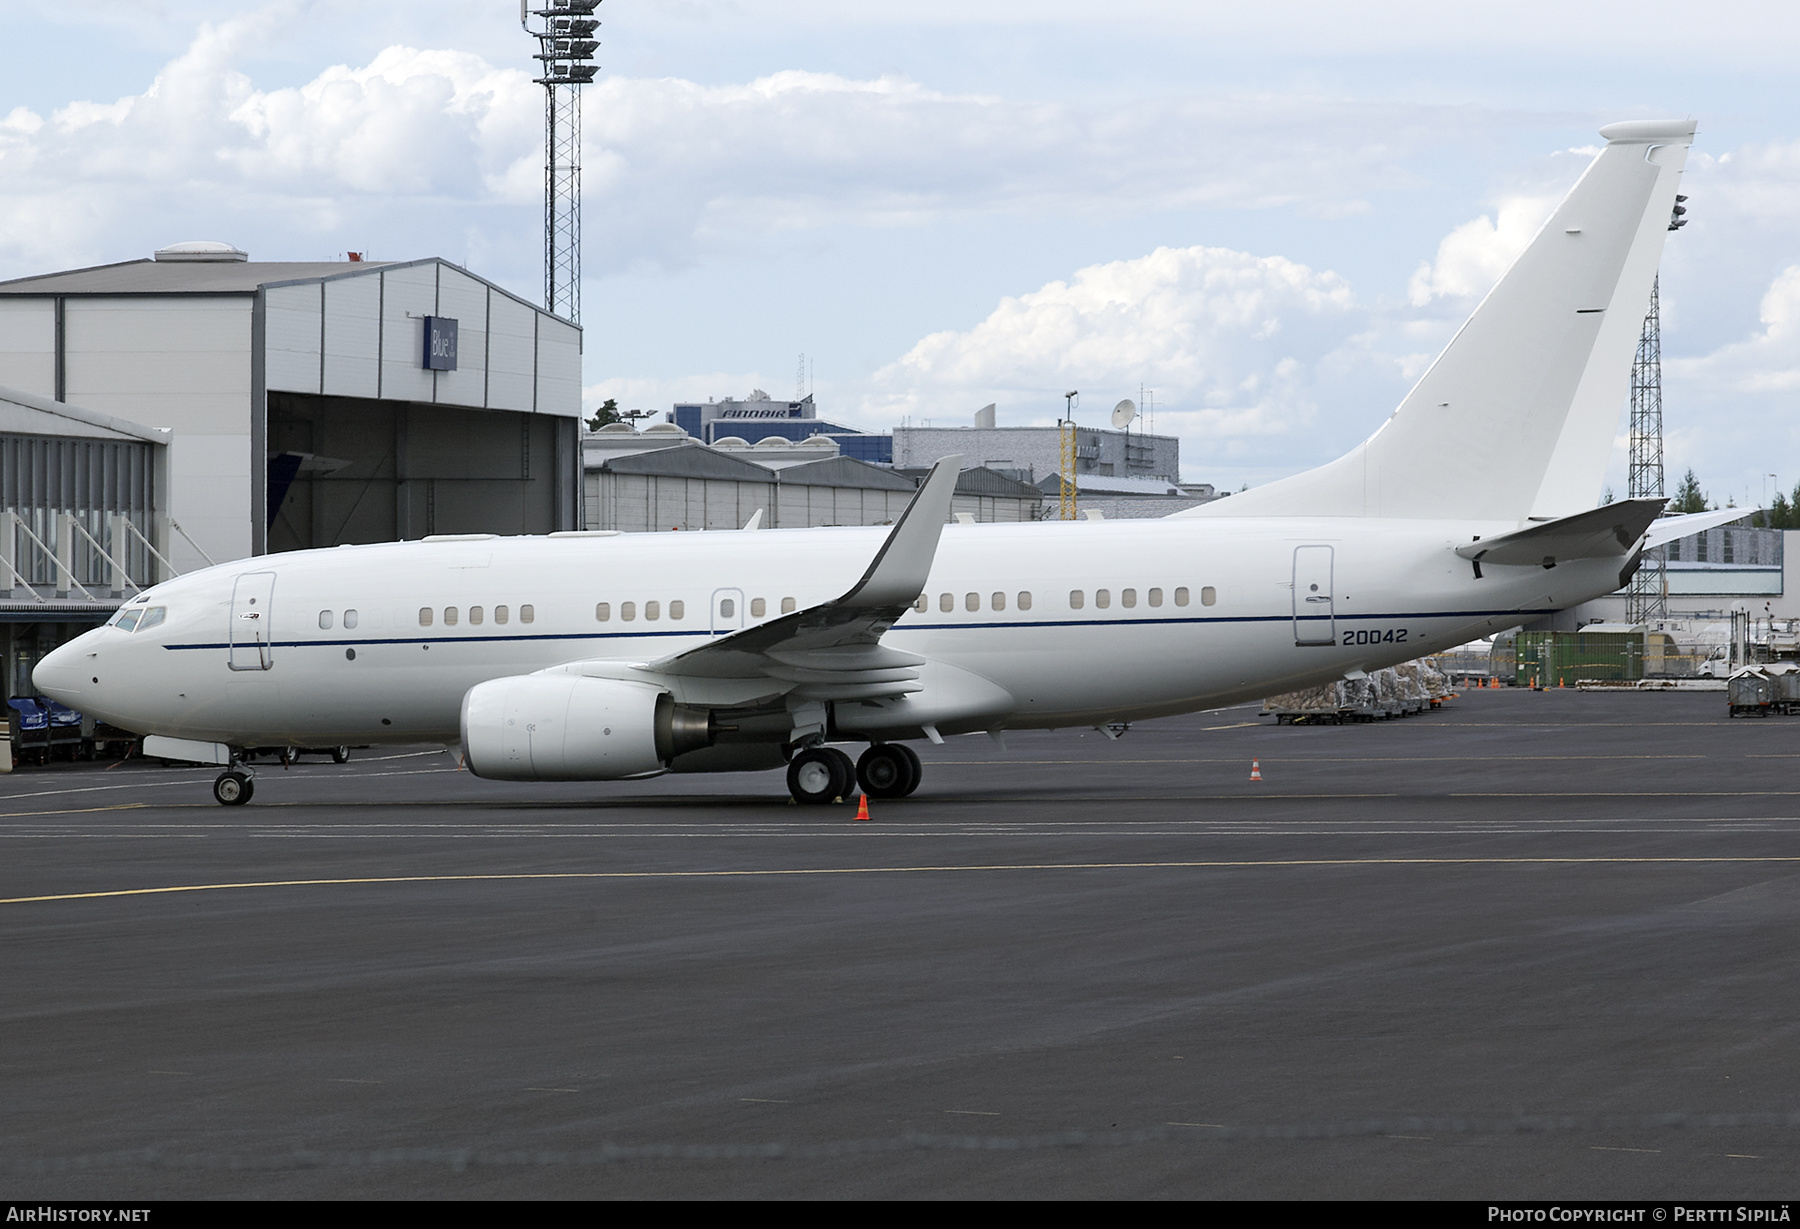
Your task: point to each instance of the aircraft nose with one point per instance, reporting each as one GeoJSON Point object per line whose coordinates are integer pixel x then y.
{"type": "Point", "coordinates": [59, 674]}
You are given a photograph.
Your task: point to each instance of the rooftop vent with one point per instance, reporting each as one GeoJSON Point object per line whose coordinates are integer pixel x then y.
{"type": "Point", "coordinates": [200, 249]}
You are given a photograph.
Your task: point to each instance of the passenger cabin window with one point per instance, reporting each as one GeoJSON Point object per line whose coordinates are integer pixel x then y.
{"type": "Point", "coordinates": [787, 605]}
{"type": "Point", "coordinates": [1103, 598]}
{"type": "Point", "coordinates": [350, 619]}
{"type": "Point", "coordinates": [475, 615]}
{"type": "Point", "coordinates": [946, 602]}
{"type": "Point", "coordinates": [1128, 598]}
{"type": "Point", "coordinates": [324, 620]}
{"type": "Point", "coordinates": [602, 612]}
{"type": "Point", "coordinates": [999, 601]}
{"type": "Point", "coordinates": [971, 601]}
{"type": "Point", "coordinates": [424, 616]}
{"type": "Point", "coordinates": [678, 610]}
{"type": "Point", "coordinates": [758, 608]}
{"type": "Point", "coordinates": [727, 608]}
{"type": "Point", "coordinates": [449, 616]}
{"type": "Point", "coordinates": [627, 611]}
{"type": "Point", "coordinates": [500, 614]}
{"type": "Point", "coordinates": [1024, 600]}
{"type": "Point", "coordinates": [527, 614]}
{"type": "Point", "coordinates": [922, 604]}
{"type": "Point", "coordinates": [1076, 601]}
{"type": "Point", "coordinates": [1155, 597]}
{"type": "Point", "coordinates": [1181, 596]}
{"type": "Point", "coordinates": [1208, 595]}
{"type": "Point", "coordinates": [652, 611]}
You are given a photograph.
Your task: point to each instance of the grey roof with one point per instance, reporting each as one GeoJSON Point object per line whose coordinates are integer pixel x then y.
{"type": "Point", "coordinates": [980, 480]}
{"type": "Point", "coordinates": [845, 472]}
{"type": "Point", "coordinates": [692, 462]}
{"type": "Point", "coordinates": [23, 413]}
{"type": "Point", "coordinates": [180, 277]}
{"type": "Point", "coordinates": [245, 277]}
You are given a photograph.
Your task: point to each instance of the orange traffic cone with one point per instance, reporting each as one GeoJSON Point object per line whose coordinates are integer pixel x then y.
{"type": "Point", "coordinates": [1255, 771]}
{"type": "Point", "coordinates": [862, 807]}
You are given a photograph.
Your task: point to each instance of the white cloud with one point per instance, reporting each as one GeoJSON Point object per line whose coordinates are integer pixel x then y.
{"type": "Point", "coordinates": [1471, 258]}
{"type": "Point", "coordinates": [1234, 344]}
{"type": "Point", "coordinates": [675, 167]}
{"type": "Point", "coordinates": [1767, 362]}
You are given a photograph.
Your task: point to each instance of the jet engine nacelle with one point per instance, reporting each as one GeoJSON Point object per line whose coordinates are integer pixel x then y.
{"type": "Point", "coordinates": [564, 727]}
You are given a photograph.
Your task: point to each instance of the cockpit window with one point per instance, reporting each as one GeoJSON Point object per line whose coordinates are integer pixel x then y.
{"type": "Point", "coordinates": [152, 617]}
{"type": "Point", "coordinates": [125, 620]}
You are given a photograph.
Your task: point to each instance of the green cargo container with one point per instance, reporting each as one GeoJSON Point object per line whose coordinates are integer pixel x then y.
{"type": "Point", "coordinates": [1552, 659]}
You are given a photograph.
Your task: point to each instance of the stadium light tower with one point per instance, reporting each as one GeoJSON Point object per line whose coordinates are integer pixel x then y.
{"type": "Point", "coordinates": [566, 46]}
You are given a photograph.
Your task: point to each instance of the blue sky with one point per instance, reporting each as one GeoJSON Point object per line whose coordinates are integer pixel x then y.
{"type": "Point", "coordinates": [1271, 214]}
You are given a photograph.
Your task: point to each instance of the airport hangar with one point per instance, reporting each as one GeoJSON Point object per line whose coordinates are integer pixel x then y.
{"type": "Point", "coordinates": [227, 408]}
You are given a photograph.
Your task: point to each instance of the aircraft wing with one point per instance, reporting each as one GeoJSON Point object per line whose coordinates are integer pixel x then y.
{"type": "Point", "coordinates": [1600, 533]}
{"type": "Point", "coordinates": [834, 650]}
{"type": "Point", "coordinates": [1670, 528]}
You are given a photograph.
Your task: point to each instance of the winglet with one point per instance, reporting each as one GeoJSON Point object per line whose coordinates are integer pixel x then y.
{"type": "Point", "coordinates": [755, 521]}
{"type": "Point", "coordinates": [902, 565]}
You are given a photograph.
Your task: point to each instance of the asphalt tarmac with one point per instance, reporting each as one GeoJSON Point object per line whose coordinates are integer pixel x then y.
{"type": "Point", "coordinates": [1529, 946]}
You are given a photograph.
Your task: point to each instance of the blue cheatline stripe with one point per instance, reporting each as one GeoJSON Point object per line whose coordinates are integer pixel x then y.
{"type": "Point", "coordinates": [907, 627]}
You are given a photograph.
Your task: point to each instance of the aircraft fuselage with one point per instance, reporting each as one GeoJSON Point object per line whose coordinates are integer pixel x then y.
{"type": "Point", "coordinates": [1119, 620]}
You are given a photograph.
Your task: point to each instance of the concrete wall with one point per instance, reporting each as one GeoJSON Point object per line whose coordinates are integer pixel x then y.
{"type": "Point", "coordinates": [182, 363]}
{"type": "Point", "coordinates": [637, 503]}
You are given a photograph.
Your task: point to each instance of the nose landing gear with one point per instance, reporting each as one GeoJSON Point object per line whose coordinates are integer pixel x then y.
{"type": "Point", "coordinates": [233, 787]}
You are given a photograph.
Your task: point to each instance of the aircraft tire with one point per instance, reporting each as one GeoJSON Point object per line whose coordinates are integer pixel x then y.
{"type": "Point", "coordinates": [340, 755]}
{"type": "Point", "coordinates": [233, 789]}
{"type": "Point", "coordinates": [819, 775]}
{"type": "Point", "coordinates": [917, 773]}
{"type": "Point", "coordinates": [888, 770]}
{"type": "Point", "coordinates": [847, 767]}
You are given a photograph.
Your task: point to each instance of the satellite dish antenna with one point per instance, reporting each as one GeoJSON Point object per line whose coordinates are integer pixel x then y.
{"type": "Point", "coordinates": [1123, 413]}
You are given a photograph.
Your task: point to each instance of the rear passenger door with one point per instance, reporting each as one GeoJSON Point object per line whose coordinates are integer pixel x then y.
{"type": "Point", "coordinates": [1315, 620]}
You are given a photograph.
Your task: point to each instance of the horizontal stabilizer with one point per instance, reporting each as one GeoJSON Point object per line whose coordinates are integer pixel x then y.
{"type": "Point", "coordinates": [1607, 532]}
{"type": "Point", "coordinates": [1670, 528]}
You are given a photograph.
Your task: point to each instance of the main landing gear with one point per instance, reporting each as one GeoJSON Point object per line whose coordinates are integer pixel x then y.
{"type": "Point", "coordinates": [820, 775]}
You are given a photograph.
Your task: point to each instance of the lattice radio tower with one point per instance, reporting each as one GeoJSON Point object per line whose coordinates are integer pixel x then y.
{"type": "Point", "coordinates": [566, 46]}
{"type": "Point", "coordinates": [1647, 599]}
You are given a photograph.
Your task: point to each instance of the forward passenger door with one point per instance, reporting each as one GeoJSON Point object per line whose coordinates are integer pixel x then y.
{"type": "Point", "coordinates": [252, 630]}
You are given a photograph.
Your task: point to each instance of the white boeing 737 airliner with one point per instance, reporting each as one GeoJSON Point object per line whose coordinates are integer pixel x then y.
{"type": "Point", "coordinates": [600, 656]}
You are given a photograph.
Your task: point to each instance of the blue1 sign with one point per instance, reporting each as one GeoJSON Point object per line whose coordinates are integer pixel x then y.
{"type": "Point", "coordinates": [440, 343]}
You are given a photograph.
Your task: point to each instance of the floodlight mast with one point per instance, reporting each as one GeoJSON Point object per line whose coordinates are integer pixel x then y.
{"type": "Point", "coordinates": [1066, 430]}
{"type": "Point", "coordinates": [1647, 595]}
{"type": "Point", "coordinates": [566, 49]}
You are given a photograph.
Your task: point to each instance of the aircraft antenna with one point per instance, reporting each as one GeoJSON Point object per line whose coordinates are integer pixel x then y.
{"type": "Point", "coordinates": [566, 47]}
{"type": "Point", "coordinates": [1066, 430]}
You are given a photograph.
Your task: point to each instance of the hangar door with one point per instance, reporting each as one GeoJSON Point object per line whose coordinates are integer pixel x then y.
{"type": "Point", "coordinates": [354, 469]}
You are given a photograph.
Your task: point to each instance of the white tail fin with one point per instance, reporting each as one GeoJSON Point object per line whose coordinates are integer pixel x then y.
{"type": "Point", "coordinates": [1516, 417]}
